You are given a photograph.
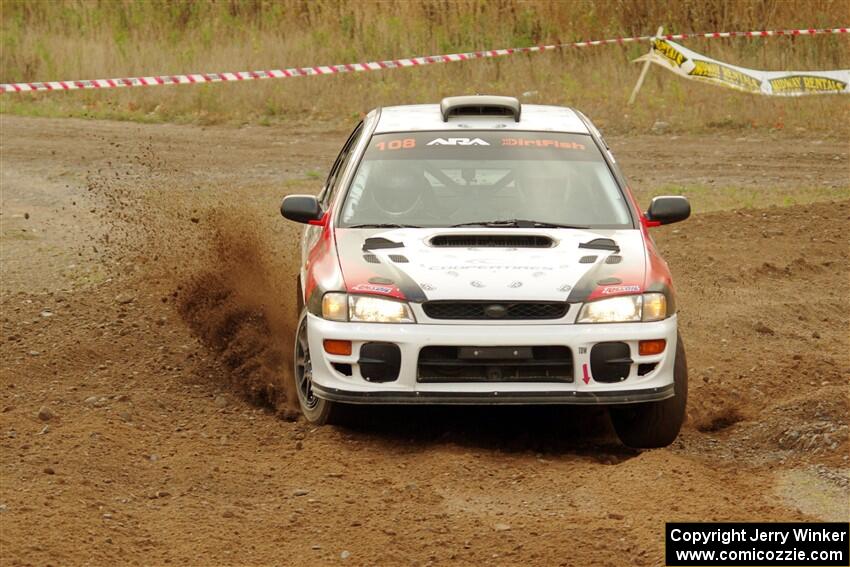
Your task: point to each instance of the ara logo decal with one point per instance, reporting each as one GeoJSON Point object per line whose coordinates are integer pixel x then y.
{"type": "Point", "coordinates": [458, 142]}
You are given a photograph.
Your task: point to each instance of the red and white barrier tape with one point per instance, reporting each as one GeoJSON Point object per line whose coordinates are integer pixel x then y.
{"type": "Point", "coordinates": [373, 65]}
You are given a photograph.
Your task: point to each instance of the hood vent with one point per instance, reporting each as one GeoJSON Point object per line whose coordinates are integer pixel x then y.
{"type": "Point", "coordinates": [380, 243]}
{"type": "Point", "coordinates": [600, 244]}
{"type": "Point", "coordinates": [492, 241]}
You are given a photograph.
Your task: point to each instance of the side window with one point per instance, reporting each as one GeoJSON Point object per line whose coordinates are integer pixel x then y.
{"type": "Point", "coordinates": [332, 183]}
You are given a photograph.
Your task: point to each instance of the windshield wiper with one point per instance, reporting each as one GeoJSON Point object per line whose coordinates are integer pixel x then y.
{"type": "Point", "coordinates": [519, 223]}
{"type": "Point", "coordinates": [384, 225]}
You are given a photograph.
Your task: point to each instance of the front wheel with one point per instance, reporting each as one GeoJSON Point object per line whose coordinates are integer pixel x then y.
{"type": "Point", "coordinates": [655, 424]}
{"type": "Point", "coordinates": [315, 409]}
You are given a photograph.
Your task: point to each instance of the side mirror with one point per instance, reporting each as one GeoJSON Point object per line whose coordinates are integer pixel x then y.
{"type": "Point", "coordinates": [667, 210]}
{"type": "Point", "coordinates": [302, 208]}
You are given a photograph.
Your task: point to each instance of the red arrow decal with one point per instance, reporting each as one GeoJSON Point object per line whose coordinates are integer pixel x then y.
{"type": "Point", "coordinates": [586, 373]}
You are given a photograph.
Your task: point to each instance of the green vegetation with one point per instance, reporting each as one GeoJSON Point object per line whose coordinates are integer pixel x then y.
{"type": "Point", "coordinates": [85, 39]}
{"type": "Point", "coordinates": [706, 199]}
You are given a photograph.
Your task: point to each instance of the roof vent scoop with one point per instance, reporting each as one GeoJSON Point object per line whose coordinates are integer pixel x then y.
{"type": "Point", "coordinates": [480, 105]}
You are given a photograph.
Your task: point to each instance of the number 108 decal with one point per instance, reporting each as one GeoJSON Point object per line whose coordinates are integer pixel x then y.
{"type": "Point", "coordinates": [406, 144]}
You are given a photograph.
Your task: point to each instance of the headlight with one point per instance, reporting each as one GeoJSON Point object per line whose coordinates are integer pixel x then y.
{"type": "Point", "coordinates": [612, 310]}
{"type": "Point", "coordinates": [372, 309]}
{"type": "Point", "coordinates": [625, 308]}
{"type": "Point", "coordinates": [365, 308]}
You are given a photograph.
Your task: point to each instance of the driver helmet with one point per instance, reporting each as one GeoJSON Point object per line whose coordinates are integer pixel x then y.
{"type": "Point", "coordinates": [396, 188]}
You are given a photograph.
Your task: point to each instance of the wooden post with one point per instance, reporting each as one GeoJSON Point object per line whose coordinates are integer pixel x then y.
{"type": "Point", "coordinates": [644, 71]}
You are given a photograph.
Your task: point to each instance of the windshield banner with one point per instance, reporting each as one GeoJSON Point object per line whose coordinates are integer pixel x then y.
{"type": "Point", "coordinates": [692, 65]}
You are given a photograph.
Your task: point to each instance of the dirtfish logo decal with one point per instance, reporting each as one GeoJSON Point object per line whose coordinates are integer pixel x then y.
{"type": "Point", "coordinates": [458, 142]}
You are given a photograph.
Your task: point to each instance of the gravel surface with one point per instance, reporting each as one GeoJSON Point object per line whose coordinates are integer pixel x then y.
{"type": "Point", "coordinates": [147, 303]}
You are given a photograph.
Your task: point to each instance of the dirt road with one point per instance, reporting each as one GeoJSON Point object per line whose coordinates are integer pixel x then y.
{"type": "Point", "coordinates": [147, 288]}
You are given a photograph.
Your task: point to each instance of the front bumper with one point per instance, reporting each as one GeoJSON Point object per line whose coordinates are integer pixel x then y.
{"type": "Point", "coordinates": [331, 384]}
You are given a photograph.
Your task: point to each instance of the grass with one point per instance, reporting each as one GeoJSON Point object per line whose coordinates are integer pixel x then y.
{"type": "Point", "coordinates": [82, 39]}
{"type": "Point", "coordinates": [707, 199]}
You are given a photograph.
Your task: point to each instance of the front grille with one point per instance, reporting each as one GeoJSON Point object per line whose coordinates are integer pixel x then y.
{"type": "Point", "coordinates": [494, 310]}
{"type": "Point", "coordinates": [441, 364]}
{"type": "Point", "coordinates": [492, 241]}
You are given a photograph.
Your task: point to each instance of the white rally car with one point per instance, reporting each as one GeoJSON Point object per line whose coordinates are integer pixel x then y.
{"type": "Point", "coordinates": [481, 251]}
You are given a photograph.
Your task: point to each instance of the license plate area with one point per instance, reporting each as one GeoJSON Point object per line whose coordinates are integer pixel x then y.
{"type": "Point", "coordinates": [495, 353]}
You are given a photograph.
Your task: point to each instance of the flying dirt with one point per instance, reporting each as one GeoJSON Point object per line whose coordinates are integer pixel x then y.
{"type": "Point", "coordinates": [148, 303]}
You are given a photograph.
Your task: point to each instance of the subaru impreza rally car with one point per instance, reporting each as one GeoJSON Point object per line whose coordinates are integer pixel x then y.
{"type": "Point", "coordinates": [481, 251]}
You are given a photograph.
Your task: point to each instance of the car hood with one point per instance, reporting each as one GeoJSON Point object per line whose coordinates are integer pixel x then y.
{"type": "Point", "coordinates": [486, 263]}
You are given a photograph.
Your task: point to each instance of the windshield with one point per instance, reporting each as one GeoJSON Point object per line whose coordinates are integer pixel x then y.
{"type": "Point", "coordinates": [442, 179]}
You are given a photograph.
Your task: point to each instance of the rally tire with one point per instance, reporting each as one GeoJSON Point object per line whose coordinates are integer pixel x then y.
{"type": "Point", "coordinates": [316, 410]}
{"type": "Point", "coordinates": [655, 424]}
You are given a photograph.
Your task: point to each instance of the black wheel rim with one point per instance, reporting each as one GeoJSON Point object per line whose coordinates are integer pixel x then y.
{"type": "Point", "coordinates": [304, 368]}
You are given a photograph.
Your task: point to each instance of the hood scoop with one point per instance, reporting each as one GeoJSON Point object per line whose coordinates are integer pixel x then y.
{"type": "Point", "coordinates": [492, 241]}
